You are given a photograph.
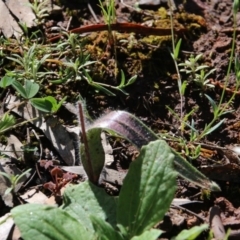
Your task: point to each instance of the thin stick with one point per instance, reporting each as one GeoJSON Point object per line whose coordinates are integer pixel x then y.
{"type": "Point", "coordinates": [125, 27]}
{"type": "Point", "coordinates": [93, 13]}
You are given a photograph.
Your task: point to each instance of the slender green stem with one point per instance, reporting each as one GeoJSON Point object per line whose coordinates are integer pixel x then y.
{"type": "Point", "coordinates": [231, 59]}
{"type": "Point", "coordinates": [176, 66]}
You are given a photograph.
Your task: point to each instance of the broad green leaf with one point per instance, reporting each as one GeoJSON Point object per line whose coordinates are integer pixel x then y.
{"type": "Point", "coordinates": [6, 81]}
{"type": "Point", "coordinates": [152, 234]}
{"type": "Point", "coordinates": [87, 199]}
{"type": "Point", "coordinates": [104, 231]}
{"type": "Point", "coordinates": [135, 131]}
{"type": "Point", "coordinates": [19, 88]}
{"type": "Point", "coordinates": [93, 155]}
{"type": "Point", "coordinates": [42, 104]}
{"type": "Point", "coordinates": [148, 189]}
{"type": "Point", "coordinates": [53, 102]}
{"type": "Point", "coordinates": [40, 222]}
{"type": "Point", "coordinates": [47, 104]}
{"type": "Point", "coordinates": [192, 233]}
{"type": "Point", "coordinates": [31, 88]}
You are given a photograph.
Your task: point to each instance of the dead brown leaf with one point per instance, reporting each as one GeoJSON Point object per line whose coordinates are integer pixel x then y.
{"type": "Point", "coordinates": [14, 12]}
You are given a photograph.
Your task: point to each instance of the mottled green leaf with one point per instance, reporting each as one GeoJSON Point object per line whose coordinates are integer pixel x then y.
{"type": "Point", "coordinates": [87, 199]}
{"type": "Point", "coordinates": [104, 231]}
{"type": "Point", "coordinates": [148, 189]}
{"type": "Point", "coordinates": [41, 222]}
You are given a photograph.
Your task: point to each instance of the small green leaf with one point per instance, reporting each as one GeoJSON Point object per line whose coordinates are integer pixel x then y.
{"type": "Point", "coordinates": [183, 87]}
{"type": "Point", "coordinates": [18, 59]}
{"type": "Point", "coordinates": [177, 49]}
{"type": "Point", "coordinates": [31, 88]}
{"type": "Point", "coordinates": [19, 88]}
{"type": "Point", "coordinates": [122, 83]}
{"type": "Point", "coordinates": [102, 89]}
{"type": "Point", "coordinates": [213, 104]}
{"type": "Point", "coordinates": [40, 222]}
{"type": "Point", "coordinates": [148, 189]}
{"type": "Point", "coordinates": [201, 68]}
{"type": "Point", "coordinates": [6, 81]}
{"type": "Point", "coordinates": [214, 127]}
{"type": "Point", "coordinates": [6, 122]}
{"type": "Point", "coordinates": [8, 190]}
{"type": "Point", "coordinates": [58, 81]}
{"type": "Point", "coordinates": [198, 57]}
{"type": "Point", "coordinates": [42, 104]}
{"type": "Point", "coordinates": [60, 103]}
{"type": "Point", "coordinates": [131, 80]}
{"type": "Point", "coordinates": [192, 233]}
{"type": "Point", "coordinates": [103, 230]}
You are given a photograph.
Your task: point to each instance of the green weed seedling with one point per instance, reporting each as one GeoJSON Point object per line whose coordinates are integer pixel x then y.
{"type": "Point", "coordinates": [13, 179]}
{"type": "Point", "coordinates": [109, 13]}
{"type": "Point", "coordinates": [197, 72]}
{"type": "Point", "coordinates": [40, 10]}
{"type": "Point", "coordinates": [30, 64]}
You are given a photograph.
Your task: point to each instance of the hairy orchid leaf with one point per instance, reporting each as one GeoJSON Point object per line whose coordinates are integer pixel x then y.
{"type": "Point", "coordinates": [135, 131]}
{"type": "Point", "coordinates": [92, 154]}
